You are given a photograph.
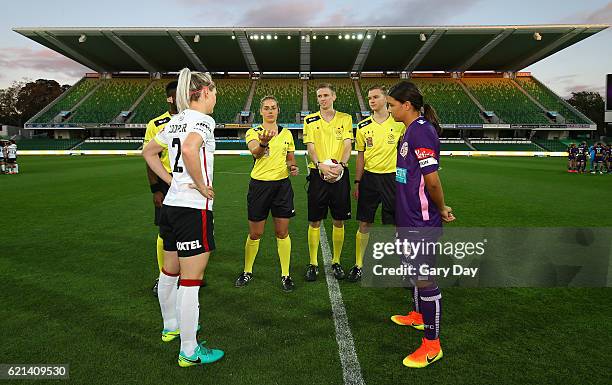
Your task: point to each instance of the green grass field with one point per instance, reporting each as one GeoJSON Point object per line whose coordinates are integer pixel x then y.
{"type": "Point", "coordinates": [77, 264]}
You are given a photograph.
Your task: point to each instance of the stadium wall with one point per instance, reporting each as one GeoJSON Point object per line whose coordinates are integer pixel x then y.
{"type": "Point", "coordinates": [299, 152]}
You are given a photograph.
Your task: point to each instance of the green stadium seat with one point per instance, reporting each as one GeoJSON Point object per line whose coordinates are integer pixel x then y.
{"type": "Point", "coordinates": [67, 102]}
{"type": "Point", "coordinates": [152, 105]}
{"type": "Point", "coordinates": [346, 100]}
{"type": "Point", "coordinates": [112, 97]}
{"type": "Point", "coordinates": [506, 100]}
{"type": "Point", "coordinates": [446, 96]}
{"type": "Point", "coordinates": [549, 100]}
{"type": "Point", "coordinates": [46, 144]}
{"type": "Point", "coordinates": [504, 145]}
{"type": "Point", "coordinates": [554, 145]}
{"type": "Point", "coordinates": [288, 92]}
{"type": "Point", "coordinates": [231, 97]}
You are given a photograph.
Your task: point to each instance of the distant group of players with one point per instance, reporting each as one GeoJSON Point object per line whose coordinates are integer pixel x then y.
{"type": "Point", "coordinates": [8, 157]}
{"type": "Point", "coordinates": [599, 155]}
{"type": "Point", "coordinates": [397, 166]}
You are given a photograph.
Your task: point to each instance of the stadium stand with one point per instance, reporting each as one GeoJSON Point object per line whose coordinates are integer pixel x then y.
{"type": "Point", "coordinates": [289, 95]}
{"type": "Point", "coordinates": [506, 100]}
{"type": "Point", "coordinates": [72, 96]}
{"type": "Point", "coordinates": [514, 144]}
{"type": "Point", "coordinates": [346, 100]}
{"type": "Point", "coordinates": [453, 144]}
{"type": "Point", "coordinates": [153, 104]}
{"type": "Point", "coordinates": [231, 97]}
{"type": "Point", "coordinates": [110, 144]}
{"type": "Point", "coordinates": [555, 145]}
{"type": "Point", "coordinates": [548, 99]}
{"type": "Point", "coordinates": [112, 97]}
{"type": "Point", "coordinates": [446, 95]}
{"type": "Point", "coordinates": [46, 144]}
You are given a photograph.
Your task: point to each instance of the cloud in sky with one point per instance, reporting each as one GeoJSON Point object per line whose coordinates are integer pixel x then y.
{"type": "Point", "coordinates": [602, 15]}
{"type": "Point", "coordinates": [325, 13]}
{"type": "Point", "coordinates": [39, 60]}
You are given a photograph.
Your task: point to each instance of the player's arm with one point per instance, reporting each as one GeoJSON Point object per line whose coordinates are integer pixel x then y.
{"type": "Point", "coordinates": [346, 152]}
{"type": "Point", "coordinates": [434, 188]}
{"type": "Point", "coordinates": [190, 151]}
{"type": "Point", "coordinates": [329, 172]}
{"type": "Point", "coordinates": [151, 155]}
{"type": "Point", "coordinates": [290, 160]}
{"type": "Point", "coordinates": [347, 137]}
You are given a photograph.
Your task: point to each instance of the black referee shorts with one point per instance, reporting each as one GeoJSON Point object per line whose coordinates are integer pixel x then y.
{"type": "Point", "coordinates": [323, 195]}
{"type": "Point", "coordinates": [187, 230]}
{"type": "Point", "coordinates": [266, 196]}
{"type": "Point", "coordinates": [374, 189]}
{"type": "Point", "coordinates": [164, 189]}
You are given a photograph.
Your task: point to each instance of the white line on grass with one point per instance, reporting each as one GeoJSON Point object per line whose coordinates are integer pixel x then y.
{"type": "Point", "coordinates": [351, 369]}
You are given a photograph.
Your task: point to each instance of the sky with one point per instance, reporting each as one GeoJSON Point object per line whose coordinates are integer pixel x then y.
{"type": "Point", "coordinates": [578, 68]}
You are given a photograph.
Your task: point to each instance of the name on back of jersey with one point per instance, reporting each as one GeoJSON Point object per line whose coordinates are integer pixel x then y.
{"type": "Point", "coordinates": [177, 128]}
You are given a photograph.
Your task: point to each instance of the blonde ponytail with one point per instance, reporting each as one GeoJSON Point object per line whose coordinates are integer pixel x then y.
{"type": "Point", "coordinates": [182, 90]}
{"type": "Point", "coordinates": [188, 85]}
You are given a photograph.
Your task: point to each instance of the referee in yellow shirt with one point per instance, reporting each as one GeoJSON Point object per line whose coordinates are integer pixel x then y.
{"type": "Point", "coordinates": [159, 188]}
{"type": "Point", "coordinates": [270, 190]}
{"type": "Point", "coordinates": [328, 135]}
{"type": "Point", "coordinates": [376, 144]}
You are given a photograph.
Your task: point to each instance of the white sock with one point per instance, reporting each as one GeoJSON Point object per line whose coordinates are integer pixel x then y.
{"type": "Point", "coordinates": [189, 309]}
{"type": "Point", "coordinates": [3, 168]}
{"type": "Point", "coordinates": [179, 299]}
{"type": "Point", "coordinates": [16, 169]}
{"type": "Point", "coordinates": [166, 294]}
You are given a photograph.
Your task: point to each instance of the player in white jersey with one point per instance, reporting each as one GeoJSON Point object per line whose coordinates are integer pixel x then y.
{"type": "Point", "coordinates": [186, 221]}
{"type": "Point", "coordinates": [11, 158]}
{"type": "Point", "coordinates": [2, 158]}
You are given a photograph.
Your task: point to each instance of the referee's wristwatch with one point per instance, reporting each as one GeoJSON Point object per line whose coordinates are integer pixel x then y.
{"type": "Point", "coordinates": [357, 181]}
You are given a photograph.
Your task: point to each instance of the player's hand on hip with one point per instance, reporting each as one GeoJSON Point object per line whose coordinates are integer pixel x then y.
{"type": "Point", "coordinates": [447, 214]}
{"type": "Point", "coordinates": [158, 199]}
{"type": "Point", "coordinates": [206, 191]}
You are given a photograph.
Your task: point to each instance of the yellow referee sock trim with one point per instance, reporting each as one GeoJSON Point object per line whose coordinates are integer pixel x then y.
{"type": "Point", "coordinates": [284, 253]}
{"type": "Point", "coordinates": [160, 252]}
{"type": "Point", "coordinates": [251, 248]}
{"type": "Point", "coordinates": [361, 243]}
{"type": "Point", "coordinates": [314, 237]}
{"type": "Point", "coordinates": [338, 240]}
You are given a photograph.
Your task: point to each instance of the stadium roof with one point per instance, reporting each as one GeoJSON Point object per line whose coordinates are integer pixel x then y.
{"type": "Point", "coordinates": [307, 50]}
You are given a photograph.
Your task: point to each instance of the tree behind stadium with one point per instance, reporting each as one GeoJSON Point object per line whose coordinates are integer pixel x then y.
{"type": "Point", "coordinates": [592, 105]}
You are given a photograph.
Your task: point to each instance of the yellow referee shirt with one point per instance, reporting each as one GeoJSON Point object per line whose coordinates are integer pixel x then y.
{"type": "Point", "coordinates": [153, 127]}
{"type": "Point", "coordinates": [273, 164]}
{"type": "Point", "coordinates": [328, 137]}
{"type": "Point", "coordinates": [379, 143]}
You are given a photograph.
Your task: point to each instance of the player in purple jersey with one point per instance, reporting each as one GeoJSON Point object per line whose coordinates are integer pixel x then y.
{"type": "Point", "coordinates": [571, 157]}
{"type": "Point", "coordinates": [599, 151]}
{"type": "Point", "coordinates": [419, 206]}
{"type": "Point", "coordinates": [581, 155]}
{"type": "Point", "coordinates": [609, 157]}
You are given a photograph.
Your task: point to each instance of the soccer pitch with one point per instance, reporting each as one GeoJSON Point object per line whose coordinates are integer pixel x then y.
{"type": "Point", "coordinates": [78, 263]}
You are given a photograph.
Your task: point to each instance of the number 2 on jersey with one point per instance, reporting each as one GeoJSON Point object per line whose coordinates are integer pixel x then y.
{"type": "Point", "coordinates": [176, 142]}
